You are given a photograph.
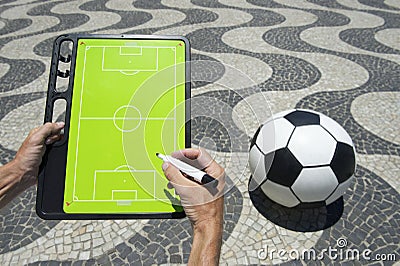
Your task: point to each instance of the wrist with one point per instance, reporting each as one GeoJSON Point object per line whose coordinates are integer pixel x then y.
{"type": "Point", "coordinates": [213, 223]}
{"type": "Point", "coordinates": [11, 172]}
{"type": "Point", "coordinates": [10, 182]}
{"type": "Point", "coordinates": [16, 176]}
{"type": "Point", "coordinates": [207, 242]}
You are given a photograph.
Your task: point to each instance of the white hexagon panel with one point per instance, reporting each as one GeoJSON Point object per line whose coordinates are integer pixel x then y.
{"type": "Point", "coordinates": [312, 145]}
{"type": "Point", "coordinates": [335, 129]}
{"type": "Point", "coordinates": [257, 167]}
{"type": "Point", "coordinates": [340, 190]}
{"type": "Point", "coordinates": [274, 135]}
{"type": "Point", "coordinates": [315, 184]}
{"type": "Point", "coordinates": [280, 194]}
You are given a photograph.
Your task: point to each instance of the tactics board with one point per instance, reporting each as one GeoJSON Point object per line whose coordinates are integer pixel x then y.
{"type": "Point", "coordinates": [127, 99]}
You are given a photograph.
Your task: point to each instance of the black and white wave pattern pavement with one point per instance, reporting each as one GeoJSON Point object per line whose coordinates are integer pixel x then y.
{"type": "Point", "coordinates": [339, 57]}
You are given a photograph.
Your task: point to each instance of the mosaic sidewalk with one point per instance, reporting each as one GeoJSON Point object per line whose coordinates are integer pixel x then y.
{"type": "Point", "coordinates": [339, 57]}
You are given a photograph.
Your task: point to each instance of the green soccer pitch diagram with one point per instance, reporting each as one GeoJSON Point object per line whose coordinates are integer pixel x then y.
{"type": "Point", "coordinates": [128, 104]}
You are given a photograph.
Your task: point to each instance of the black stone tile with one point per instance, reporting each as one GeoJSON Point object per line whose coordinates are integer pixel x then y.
{"type": "Point", "coordinates": [175, 241]}
{"type": "Point", "coordinates": [103, 260]}
{"type": "Point", "coordinates": [123, 250]}
{"type": "Point", "coordinates": [133, 257]}
{"type": "Point", "coordinates": [173, 249]}
{"type": "Point", "coordinates": [175, 259]}
{"type": "Point", "coordinates": [165, 242]}
{"type": "Point", "coordinates": [90, 262]}
{"type": "Point", "coordinates": [118, 262]}
{"type": "Point", "coordinates": [139, 238]}
{"type": "Point", "coordinates": [136, 263]}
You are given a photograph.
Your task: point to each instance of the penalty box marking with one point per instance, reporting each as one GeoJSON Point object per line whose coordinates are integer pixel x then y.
{"type": "Point", "coordinates": [130, 48]}
{"type": "Point", "coordinates": [130, 60]}
{"type": "Point", "coordinates": [95, 179]}
{"type": "Point", "coordinates": [124, 191]}
{"type": "Point", "coordinates": [125, 201]}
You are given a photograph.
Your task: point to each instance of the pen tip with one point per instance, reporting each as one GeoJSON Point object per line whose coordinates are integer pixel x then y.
{"type": "Point", "coordinates": [157, 154]}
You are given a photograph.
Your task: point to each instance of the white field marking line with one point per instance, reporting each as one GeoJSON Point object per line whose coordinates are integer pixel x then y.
{"type": "Point", "coordinates": [139, 116]}
{"type": "Point", "coordinates": [120, 171]}
{"type": "Point", "coordinates": [121, 53]}
{"type": "Point", "coordinates": [125, 171]}
{"type": "Point", "coordinates": [124, 166]}
{"type": "Point", "coordinates": [107, 118]}
{"type": "Point", "coordinates": [130, 70]}
{"type": "Point", "coordinates": [79, 124]}
{"type": "Point", "coordinates": [114, 200]}
{"type": "Point", "coordinates": [94, 185]}
{"type": "Point", "coordinates": [129, 74]}
{"type": "Point", "coordinates": [118, 46]}
{"type": "Point", "coordinates": [129, 118]}
{"type": "Point", "coordinates": [124, 191]}
{"type": "Point", "coordinates": [175, 144]}
{"type": "Point", "coordinates": [157, 60]}
{"type": "Point", "coordinates": [102, 59]}
{"type": "Point", "coordinates": [124, 203]}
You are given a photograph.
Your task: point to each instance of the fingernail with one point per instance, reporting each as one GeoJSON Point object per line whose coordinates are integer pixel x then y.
{"type": "Point", "coordinates": [60, 124]}
{"type": "Point", "coordinates": [165, 166]}
{"type": "Point", "coordinates": [47, 141]}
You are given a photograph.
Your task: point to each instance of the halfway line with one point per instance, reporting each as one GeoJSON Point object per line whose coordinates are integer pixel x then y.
{"type": "Point", "coordinates": [128, 118]}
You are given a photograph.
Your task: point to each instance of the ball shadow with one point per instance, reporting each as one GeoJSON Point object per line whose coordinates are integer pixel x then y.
{"type": "Point", "coordinates": [302, 218]}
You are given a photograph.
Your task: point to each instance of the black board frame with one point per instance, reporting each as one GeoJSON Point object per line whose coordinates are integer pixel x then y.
{"type": "Point", "coordinates": [51, 179]}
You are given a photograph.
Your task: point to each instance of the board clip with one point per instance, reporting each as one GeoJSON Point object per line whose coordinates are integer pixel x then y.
{"type": "Point", "coordinates": [63, 74]}
{"type": "Point", "coordinates": [64, 59]}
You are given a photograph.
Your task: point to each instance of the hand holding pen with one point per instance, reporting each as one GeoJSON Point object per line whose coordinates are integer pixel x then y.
{"type": "Point", "coordinates": [197, 174]}
{"type": "Point", "coordinates": [203, 208]}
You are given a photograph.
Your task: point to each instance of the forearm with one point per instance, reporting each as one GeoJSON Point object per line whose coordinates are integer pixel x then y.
{"type": "Point", "coordinates": [10, 182]}
{"type": "Point", "coordinates": [207, 241]}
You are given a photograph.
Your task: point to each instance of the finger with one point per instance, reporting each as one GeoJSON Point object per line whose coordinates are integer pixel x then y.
{"type": "Point", "coordinates": [198, 158]}
{"type": "Point", "coordinates": [52, 139]}
{"type": "Point", "coordinates": [186, 154]}
{"type": "Point", "coordinates": [175, 176]}
{"type": "Point", "coordinates": [205, 159]}
{"type": "Point", "coordinates": [47, 130]}
{"type": "Point", "coordinates": [195, 157]}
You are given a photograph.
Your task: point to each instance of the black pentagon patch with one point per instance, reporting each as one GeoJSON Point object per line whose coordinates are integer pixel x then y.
{"type": "Point", "coordinates": [343, 162]}
{"type": "Point", "coordinates": [284, 167]}
{"type": "Point", "coordinates": [301, 118]}
{"type": "Point", "coordinates": [253, 140]}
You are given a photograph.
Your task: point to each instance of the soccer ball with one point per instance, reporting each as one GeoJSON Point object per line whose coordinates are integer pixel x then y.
{"type": "Point", "coordinates": [301, 157]}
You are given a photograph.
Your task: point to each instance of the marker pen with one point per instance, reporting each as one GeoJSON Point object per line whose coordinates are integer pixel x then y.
{"type": "Point", "coordinates": [198, 175]}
